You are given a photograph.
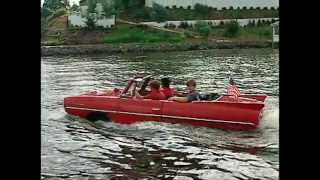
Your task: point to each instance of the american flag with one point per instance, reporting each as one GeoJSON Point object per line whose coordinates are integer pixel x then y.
{"type": "Point", "coordinates": [233, 91]}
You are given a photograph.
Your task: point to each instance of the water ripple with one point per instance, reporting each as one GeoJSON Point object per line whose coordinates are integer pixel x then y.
{"type": "Point", "coordinates": [73, 148]}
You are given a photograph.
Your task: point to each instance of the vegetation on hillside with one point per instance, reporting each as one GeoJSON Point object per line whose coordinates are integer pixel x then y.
{"type": "Point", "coordinates": [49, 7]}
{"type": "Point", "coordinates": [136, 10]}
{"type": "Point", "coordinates": [127, 34]}
{"type": "Point", "coordinates": [199, 12]}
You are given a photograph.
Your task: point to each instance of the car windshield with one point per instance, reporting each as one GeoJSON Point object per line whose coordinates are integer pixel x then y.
{"type": "Point", "coordinates": [139, 83]}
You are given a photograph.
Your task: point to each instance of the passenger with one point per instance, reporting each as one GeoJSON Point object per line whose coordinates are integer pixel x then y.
{"type": "Point", "coordinates": [155, 93]}
{"type": "Point", "coordinates": [166, 90]}
{"type": "Point", "coordinates": [193, 95]}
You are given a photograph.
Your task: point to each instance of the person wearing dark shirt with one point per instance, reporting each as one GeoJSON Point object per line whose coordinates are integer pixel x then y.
{"type": "Point", "coordinates": [166, 90]}
{"type": "Point", "coordinates": [155, 93]}
{"type": "Point", "coordinates": [193, 95]}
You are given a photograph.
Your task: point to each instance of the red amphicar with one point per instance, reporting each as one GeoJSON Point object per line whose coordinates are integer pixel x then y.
{"type": "Point", "coordinates": [215, 111]}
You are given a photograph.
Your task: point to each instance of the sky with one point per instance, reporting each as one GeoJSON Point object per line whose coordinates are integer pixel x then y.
{"type": "Point", "coordinates": [71, 2]}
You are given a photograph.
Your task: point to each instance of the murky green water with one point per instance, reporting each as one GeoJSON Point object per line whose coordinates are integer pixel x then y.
{"type": "Point", "coordinates": [73, 148]}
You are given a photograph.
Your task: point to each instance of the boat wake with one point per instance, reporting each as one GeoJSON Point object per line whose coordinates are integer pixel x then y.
{"type": "Point", "coordinates": [270, 115]}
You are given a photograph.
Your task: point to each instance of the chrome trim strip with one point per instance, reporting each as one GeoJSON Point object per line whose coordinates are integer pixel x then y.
{"type": "Point", "coordinates": [164, 116]}
{"type": "Point", "coordinates": [91, 109]}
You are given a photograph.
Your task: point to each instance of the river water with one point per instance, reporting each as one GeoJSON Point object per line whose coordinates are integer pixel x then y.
{"type": "Point", "coordinates": [74, 148]}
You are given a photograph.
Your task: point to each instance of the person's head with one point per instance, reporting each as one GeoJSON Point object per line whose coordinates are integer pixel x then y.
{"type": "Point", "coordinates": [165, 82]}
{"type": "Point", "coordinates": [154, 84]}
{"type": "Point", "coordinates": [191, 84]}
{"type": "Point", "coordinates": [231, 81]}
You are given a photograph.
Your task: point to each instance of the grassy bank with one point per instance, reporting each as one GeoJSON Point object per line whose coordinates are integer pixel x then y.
{"type": "Point", "coordinates": [126, 34]}
{"type": "Point", "coordinates": [245, 33]}
{"type": "Point", "coordinates": [57, 33]}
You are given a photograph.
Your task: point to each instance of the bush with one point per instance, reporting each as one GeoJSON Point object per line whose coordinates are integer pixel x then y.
{"type": "Point", "coordinates": [159, 13]}
{"type": "Point", "coordinates": [90, 22]}
{"type": "Point", "coordinates": [201, 10]}
{"type": "Point", "coordinates": [183, 25]}
{"type": "Point", "coordinates": [259, 23]}
{"type": "Point", "coordinates": [205, 31]}
{"type": "Point", "coordinates": [187, 34]}
{"type": "Point", "coordinates": [267, 33]}
{"type": "Point", "coordinates": [251, 23]}
{"type": "Point", "coordinates": [203, 28]}
{"type": "Point", "coordinates": [136, 35]}
{"type": "Point", "coordinates": [172, 25]}
{"type": "Point", "coordinates": [232, 29]}
{"type": "Point", "coordinates": [221, 24]}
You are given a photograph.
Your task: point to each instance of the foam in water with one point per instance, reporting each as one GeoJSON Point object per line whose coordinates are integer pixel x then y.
{"type": "Point", "coordinates": [270, 118]}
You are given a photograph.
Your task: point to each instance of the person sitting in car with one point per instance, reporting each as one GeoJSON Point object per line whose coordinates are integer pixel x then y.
{"type": "Point", "coordinates": [155, 93]}
{"type": "Point", "coordinates": [192, 95]}
{"type": "Point", "coordinates": [166, 90]}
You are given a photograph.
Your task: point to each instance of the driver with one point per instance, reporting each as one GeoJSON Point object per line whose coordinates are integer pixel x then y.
{"type": "Point", "coordinates": [155, 93]}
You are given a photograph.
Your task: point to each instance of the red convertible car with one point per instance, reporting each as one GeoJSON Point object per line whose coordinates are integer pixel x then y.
{"type": "Point", "coordinates": [119, 105]}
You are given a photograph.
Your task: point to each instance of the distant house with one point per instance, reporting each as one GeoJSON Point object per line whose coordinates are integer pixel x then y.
{"type": "Point", "coordinates": [79, 18]}
{"type": "Point", "coordinates": [219, 4]}
{"type": "Point", "coordinates": [275, 27]}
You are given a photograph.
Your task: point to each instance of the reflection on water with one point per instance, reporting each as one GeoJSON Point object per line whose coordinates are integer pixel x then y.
{"type": "Point", "coordinates": [73, 148]}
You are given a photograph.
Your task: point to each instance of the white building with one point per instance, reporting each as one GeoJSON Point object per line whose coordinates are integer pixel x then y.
{"type": "Point", "coordinates": [242, 22]}
{"type": "Point", "coordinates": [219, 4]}
{"type": "Point", "coordinates": [79, 18]}
{"type": "Point", "coordinates": [275, 27]}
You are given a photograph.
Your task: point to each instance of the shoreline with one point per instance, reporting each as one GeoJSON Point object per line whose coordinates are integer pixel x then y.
{"type": "Point", "coordinates": [86, 49]}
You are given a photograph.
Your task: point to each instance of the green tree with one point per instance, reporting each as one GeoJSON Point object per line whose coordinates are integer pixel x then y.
{"type": "Point", "coordinates": [92, 4]}
{"type": "Point", "coordinates": [109, 9]}
{"type": "Point", "coordinates": [91, 14]}
{"type": "Point", "coordinates": [159, 13]}
{"type": "Point", "coordinates": [49, 7]}
{"type": "Point", "coordinates": [201, 10]}
{"type": "Point", "coordinates": [54, 5]}
{"type": "Point", "coordinates": [125, 4]}
{"type": "Point", "coordinates": [232, 29]}
{"type": "Point", "coordinates": [45, 12]}
{"type": "Point", "coordinates": [129, 4]}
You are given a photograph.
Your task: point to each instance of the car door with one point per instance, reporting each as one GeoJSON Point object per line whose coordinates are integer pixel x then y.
{"type": "Point", "coordinates": [176, 112]}
{"type": "Point", "coordinates": [133, 110]}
